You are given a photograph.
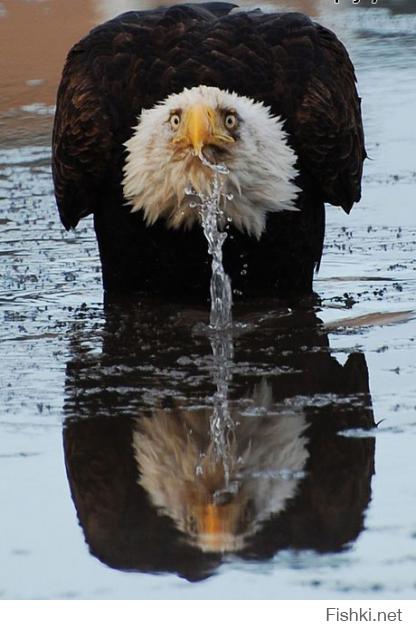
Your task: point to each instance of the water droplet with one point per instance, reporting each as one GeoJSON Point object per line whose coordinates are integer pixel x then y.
{"type": "Point", "coordinates": [229, 196]}
{"type": "Point", "coordinates": [221, 168]}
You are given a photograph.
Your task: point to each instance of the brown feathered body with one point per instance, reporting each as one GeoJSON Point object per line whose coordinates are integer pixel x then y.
{"type": "Point", "coordinates": [292, 65]}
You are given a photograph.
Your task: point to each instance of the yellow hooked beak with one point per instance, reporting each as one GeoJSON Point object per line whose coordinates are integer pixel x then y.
{"type": "Point", "coordinates": [202, 127]}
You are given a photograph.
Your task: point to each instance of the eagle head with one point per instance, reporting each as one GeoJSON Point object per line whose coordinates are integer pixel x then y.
{"type": "Point", "coordinates": [174, 142]}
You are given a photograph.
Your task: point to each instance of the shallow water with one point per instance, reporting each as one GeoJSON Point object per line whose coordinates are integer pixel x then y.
{"type": "Point", "coordinates": [110, 483]}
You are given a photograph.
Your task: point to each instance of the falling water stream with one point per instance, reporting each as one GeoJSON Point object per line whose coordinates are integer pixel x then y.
{"type": "Point", "coordinates": [211, 208]}
{"type": "Point", "coordinates": [212, 214]}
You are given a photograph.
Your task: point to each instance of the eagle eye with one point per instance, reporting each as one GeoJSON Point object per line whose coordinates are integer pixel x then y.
{"type": "Point", "coordinates": [230, 120]}
{"type": "Point", "coordinates": [175, 120]}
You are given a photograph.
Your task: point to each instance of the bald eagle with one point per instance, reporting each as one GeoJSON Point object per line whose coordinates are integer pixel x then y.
{"type": "Point", "coordinates": [149, 98]}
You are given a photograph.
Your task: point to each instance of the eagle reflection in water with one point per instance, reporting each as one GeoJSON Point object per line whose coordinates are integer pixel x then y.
{"type": "Point", "coordinates": [159, 487]}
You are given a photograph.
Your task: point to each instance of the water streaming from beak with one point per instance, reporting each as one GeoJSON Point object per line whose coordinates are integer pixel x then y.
{"type": "Point", "coordinates": [211, 209]}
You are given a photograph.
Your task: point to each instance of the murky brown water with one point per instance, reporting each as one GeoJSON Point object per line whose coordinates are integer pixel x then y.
{"type": "Point", "coordinates": [111, 486]}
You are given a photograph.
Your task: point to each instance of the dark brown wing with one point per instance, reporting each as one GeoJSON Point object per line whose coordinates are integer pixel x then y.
{"type": "Point", "coordinates": [314, 89]}
{"type": "Point", "coordinates": [82, 141]}
{"type": "Point", "coordinates": [296, 67]}
{"type": "Point", "coordinates": [328, 123]}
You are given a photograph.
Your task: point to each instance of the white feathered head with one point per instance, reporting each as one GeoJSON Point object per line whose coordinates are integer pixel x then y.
{"type": "Point", "coordinates": [172, 142]}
